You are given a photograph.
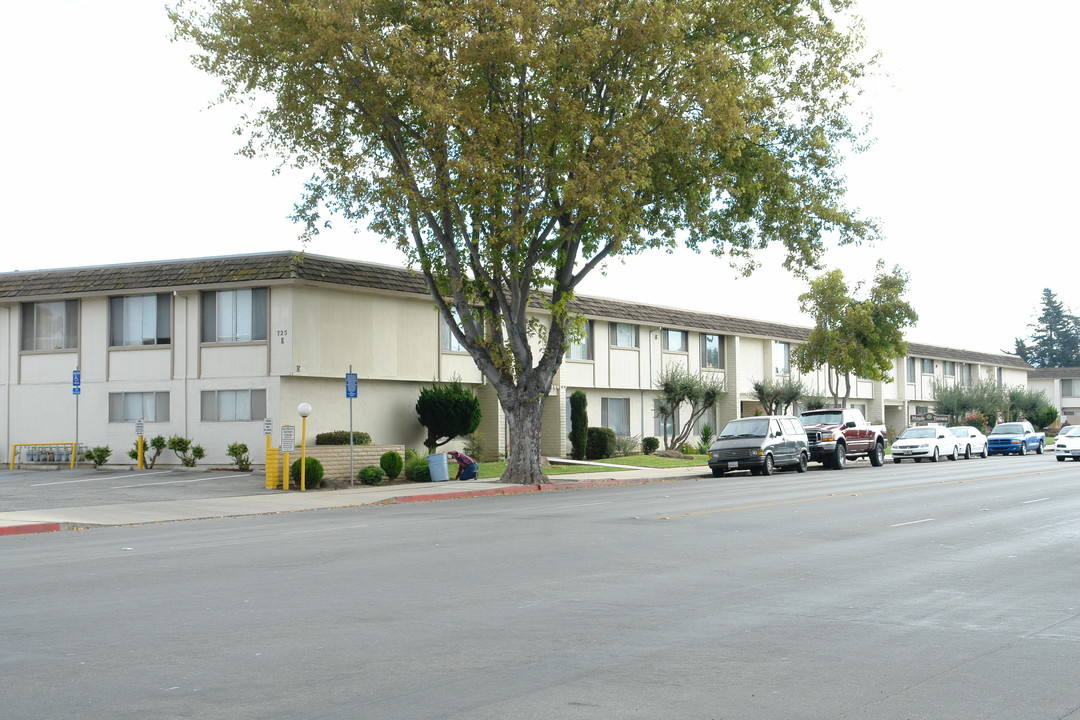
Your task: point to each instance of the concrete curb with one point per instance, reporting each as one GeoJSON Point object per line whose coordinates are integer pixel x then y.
{"type": "Point", "coordinates": [546, 487]}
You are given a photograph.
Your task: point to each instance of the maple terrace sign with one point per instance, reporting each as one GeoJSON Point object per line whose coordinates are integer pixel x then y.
{"type": "Point", "coordinates": [929, 418]}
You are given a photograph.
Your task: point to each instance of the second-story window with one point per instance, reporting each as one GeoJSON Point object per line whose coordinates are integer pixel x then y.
{"type": "Point", "coordinates": [50, 325]}
{"type": "Point", "coordinates": [965, 374]}
{"type": "Point", "coordinates": [624, 335]}
{"type": "Point", "coordinates": [582, 349]}
{"type": "Point", "coordinates": [909, 365]}
{"type": "Point", "coordinates": [234, 315]}
{"type": "Point", "coordinates": [948, 368]}
{"type": "Point", "coordinates": [712, 351]}
{"type": "Point", "coordinates": [781, 357]}
{"type": "Point", "coordinates": [447, 339]}
{"type": "Point", "coordinates": [674, 340]}
{"type": "Point", "coordinates": [139, 320]}
{"type": "Point", "coordinates": [927, 366]}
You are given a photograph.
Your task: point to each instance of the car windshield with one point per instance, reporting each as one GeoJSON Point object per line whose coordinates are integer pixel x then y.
{"type": "Point", "coordinates": [1008, 429]}
{"type": "Point", "coordinates": [1073, 432]}
{"type": "Point", "coordinates": [753, 427]}
{"type": "Point", "coordinates": [959, 431]}
{"type": "Point", "coordinates": [825, 418]}
{"type": "Point", "coordinates": [919, 432]}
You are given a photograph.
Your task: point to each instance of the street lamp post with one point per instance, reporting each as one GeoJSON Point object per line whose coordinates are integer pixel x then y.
{"type": "Point", "coordinates": [304, 409]}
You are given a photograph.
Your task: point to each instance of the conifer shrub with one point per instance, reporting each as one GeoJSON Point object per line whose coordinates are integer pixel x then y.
{"type": "Point", "coordinates": [601, 443]}
{"type": "Point", "coordinates": [313, 473]}
{"type": "Point", "coordinates": [391, 464]}
{"type": "Point", "coordinates": [370, 475]}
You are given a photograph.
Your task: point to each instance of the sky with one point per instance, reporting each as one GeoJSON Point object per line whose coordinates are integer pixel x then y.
{"type": "Point", "coordinates": [112, 154]}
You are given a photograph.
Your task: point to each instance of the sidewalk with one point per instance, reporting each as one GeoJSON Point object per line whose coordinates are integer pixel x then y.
{"type": "Point", "coordinates": [279, 501]}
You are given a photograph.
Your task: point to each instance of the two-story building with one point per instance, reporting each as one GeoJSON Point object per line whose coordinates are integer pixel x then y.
{"type": "Point", "coordinates": [209, 348]}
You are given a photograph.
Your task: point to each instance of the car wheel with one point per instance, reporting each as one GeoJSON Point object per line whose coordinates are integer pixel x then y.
{"type": "Point", "coordinates": [717, 472]}
{"type": "Point", "coordinates": [896, 460]}
{"type": "Point", "coordinates": [767, 465]}
{"type": "Point", "coordinates": [1039, 450]}
{"type": "Point", "coordinates": [1023, 449]}
{"type": "Point", "coordinates": [955, 453]}
{"type": "Point", "coordinates": [877, 455]}
{"type": "Point", "coordinates": [936, 456]}
{"type": "Point", "coordinates": [967, 453]}
{"type": "Point", "coordinates": [839, 458]}
{"type": "Point", "coordinates": [1061, 458]}
{"type": "Point", "coordinates": [984, 452]}
{"type": "Point", "coordinates": [800, 466]}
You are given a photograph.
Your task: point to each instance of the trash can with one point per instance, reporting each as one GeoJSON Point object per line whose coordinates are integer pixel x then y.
{"type": "Point", "coordinates": [438, 468]}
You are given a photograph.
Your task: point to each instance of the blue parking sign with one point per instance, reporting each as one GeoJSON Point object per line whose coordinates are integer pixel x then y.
{"type": "Point", "coordinates": [350, 385]}
{"type": "Point", "coordinates": [76, 378]}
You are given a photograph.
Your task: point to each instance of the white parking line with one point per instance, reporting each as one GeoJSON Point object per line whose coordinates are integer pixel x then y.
{"type": "Point", "coordinates": [913, 522]}
{"type": "Point", "coordinates": [177, 482]}
{"type": "Point", "coordinates": [93, 479]}
{"type": "Point", "coordinates": [1028, 502]}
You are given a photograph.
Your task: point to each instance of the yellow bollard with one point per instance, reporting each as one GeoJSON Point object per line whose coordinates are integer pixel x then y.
{"type": "Point", "coordinates": [142, 464]}
{"type": "Point", "coordinates": [303, 451]}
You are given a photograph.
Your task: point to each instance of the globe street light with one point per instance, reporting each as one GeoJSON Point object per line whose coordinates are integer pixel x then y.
{"type": "Point", "coordinates": [304, 409]}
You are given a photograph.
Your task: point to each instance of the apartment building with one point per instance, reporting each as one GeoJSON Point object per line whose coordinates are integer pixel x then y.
{"type": "Point", "coordinates": [217, 349]}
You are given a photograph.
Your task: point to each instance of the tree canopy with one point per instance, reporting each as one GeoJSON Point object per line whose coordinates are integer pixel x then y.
{"type": "Point", "coordinates": [1055, 339]}
{"type": "Point", "coordinates": [851, 336]}
{"type": "Point", "coordinates": [513, 146]}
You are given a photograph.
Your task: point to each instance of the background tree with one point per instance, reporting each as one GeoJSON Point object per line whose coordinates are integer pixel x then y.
{"type": "Point", "coordinates": [985, 397]}
{"type": "Point", "coordinates": [513, 146]}
{"type": "Point", "coordinates": [678, 387]}
{"type": "Point", "coordinates": [448, 411]}
{"type": "Point", "coordinates": [579, 424]}
{"type": "Point", "coordinates": [853, 336]}
{"type": "Point", "coordinates": [1055, 340]}
{"type": "Point", "coordinates": [1030, 405]}
{"type": "Point", "coordinates": [776, 398]}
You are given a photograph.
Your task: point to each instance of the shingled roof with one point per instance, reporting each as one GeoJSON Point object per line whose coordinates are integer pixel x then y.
{"type": "Point", "coordinates": [286, 265]}
{"type": "Point", "coordinates": [1054, 373]}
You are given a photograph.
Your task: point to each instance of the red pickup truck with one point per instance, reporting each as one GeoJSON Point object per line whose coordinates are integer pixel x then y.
{"type": "Point", "coordinates": [837, 435]}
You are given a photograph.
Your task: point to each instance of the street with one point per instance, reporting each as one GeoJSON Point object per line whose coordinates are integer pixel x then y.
{"type": "Point", "coordinates": [948, 590]}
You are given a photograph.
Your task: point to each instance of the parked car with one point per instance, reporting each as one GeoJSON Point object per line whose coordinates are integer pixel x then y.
{"type": "Point", "coordinates": [760, 444]}
{"type": "Point", "coordinates": [972, 441]}
{"type": "Point", "coordinates": [926, 441]}
{"type": "Point", "coordinates": [1015, 437]}
{"type": "Point", "coordinates": [1064, 430]}
{"type": "Point", "coordinates": [837, 435]}
{"type": "Point", "coordinates": [1067, 445]}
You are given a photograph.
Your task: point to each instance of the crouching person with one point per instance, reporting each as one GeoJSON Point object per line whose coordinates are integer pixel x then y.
{"type": "Point", "coordinates": [467, 467]}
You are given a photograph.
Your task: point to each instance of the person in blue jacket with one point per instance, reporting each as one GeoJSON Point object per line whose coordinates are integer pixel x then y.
{"type": "Point", "coordinates": [467, 467]}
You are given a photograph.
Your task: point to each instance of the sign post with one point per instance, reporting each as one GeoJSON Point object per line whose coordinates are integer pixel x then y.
{"type": "Point", "coordinates": [288, 443]}
{"type": "Point", "coordinates": [76, 390]}
{"type": "Point", "coordinates": [350, 393]}
{"type": "Point", "coordinates": [140, 453]}
{"type": "Point", "coordinates": [268, 431]}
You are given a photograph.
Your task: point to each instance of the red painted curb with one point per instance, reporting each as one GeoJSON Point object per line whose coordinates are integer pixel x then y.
{"type": "Point", "coordinates": [30, 528]}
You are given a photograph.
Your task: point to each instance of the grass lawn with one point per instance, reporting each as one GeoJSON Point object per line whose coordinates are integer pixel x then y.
{"type": "Point", "coordinates": [495, 469]}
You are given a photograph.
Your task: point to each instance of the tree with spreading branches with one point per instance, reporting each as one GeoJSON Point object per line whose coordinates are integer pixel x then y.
{"type": "Point", "coordinates": [512, 147]}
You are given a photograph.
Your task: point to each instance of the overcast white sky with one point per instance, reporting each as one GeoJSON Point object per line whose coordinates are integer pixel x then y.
{"type": "Point", "coordinates": [111, 156]}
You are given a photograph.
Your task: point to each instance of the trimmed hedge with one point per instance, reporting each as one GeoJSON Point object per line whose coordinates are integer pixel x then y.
{"type": "Point", "coordinates": [601, 443]}
{"type": "Point", "coordinates": [391, 464]}
{"type": "Point", "coordinates": [370, 475]}
{"type": "Point", "coordinates": [341, 437]}
{"type": "Point", "coordinates": [313, 473]}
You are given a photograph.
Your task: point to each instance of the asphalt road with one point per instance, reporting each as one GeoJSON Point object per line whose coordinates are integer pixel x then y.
{"type": "Point", "coordinates": [907, 591]}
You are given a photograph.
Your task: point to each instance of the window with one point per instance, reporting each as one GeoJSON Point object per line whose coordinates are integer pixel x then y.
{"type": "Point", "coordinates": [910, 367]}
{"type": "Point", "coordinates": [927, 366]}
{"type": "Point", "coordinates": [1067, 388]}
{"type": "Point", "coordinates": [965, 374]}
{"type": "Point", "coordinates": [624, 335]}
{"type": "Point", "coordinates": [615, 414]}
{"type": "Point", "coordinates": [582, 349]}
{"type": "Point", "coordinates": [228, 405]}
{"type": "Point", "coordinates": [50, 325]}
{"type": "Point", "coordinates": [674, 340]}
{"type": "Point", "coordinates": [707, 418]}
{"type": "Point", "coordinates": [664, 423]}
{"type": "Point", "coordinates": [781, 357]}
{"type": "Point", "coordinates": [132, 406]}
{"type": "Point", "coordinates": [948, 368]}
{"type": "Point", "coordinates": [234, 315]}
{"type": "Point", "coordinates": [712, 351]}
{"type": "Point", "coordinates": [447, 339]}
{"type": "Point", "coordinates": [139, 320]}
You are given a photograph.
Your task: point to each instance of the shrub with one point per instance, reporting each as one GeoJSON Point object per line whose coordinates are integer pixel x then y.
{"type": "Point", "coordinates": [579, 425]}
{"type": "Point", "coordinates": [687, 449]}
{"type": "Point", "coordinates": [99, 455]}
{"type": "Point", "coordinates": [448, 411]}
{"type": "Point", "coordinates": [313, 473]}
{"type": "Point", "coordinates": [977, 420]}
{"type": "Point", "coordinates": [410, 454]}
{"type": "Point", "coordinates": [239, 453]}
{"type": "Point", "coordinates": [626, 445]}
{"type": "Point", "coordinates": [371, 475]}
{"type": "Point", "coordinates": [151, 451]}
{"type": "Point", "coordinates": [600, 443]}
{"type": "Point", "coordinates": [417, 470]}
{"type": "Point", "coordinates": [391, 464]}
{"type": "Point", "coordinates": [650, 445]}
{"type": "Point", "coordinates": [341, 437]}
{"type": "Point", "coordinates": [706, 439]}
{"type": "Point", "coordinates": [185, 450]}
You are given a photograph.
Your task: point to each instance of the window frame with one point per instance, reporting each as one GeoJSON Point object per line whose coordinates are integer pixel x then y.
{"type": "Point", "coordinates": [583, 349]}
{"type": "Point", "coordinates": [30, 319]}
{"type": "Point", "coordinates": [665, 340]}
{"type": "Point", "coordinates": [606, 413]}
{"type": "Point", "coordinates": [721, 347]}
{"type": "Point", "coordinates": [212, 309]}
{"type": "Point", "coordinates": [119, 320]}
{"type": "Point", "coordinates": [785, 348]}
{"type": "Point", "coordinates": [614, 338]}
{"type": "Point", "coordinates": [118, 406]}
{"type": "Point", "coordinates": [927, 363]}
{"type": "Point", "coordinates": [256, 400]}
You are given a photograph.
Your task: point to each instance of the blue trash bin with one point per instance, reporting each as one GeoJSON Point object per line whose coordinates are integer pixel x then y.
{"type": "Point", "coordinates": [440, 471]}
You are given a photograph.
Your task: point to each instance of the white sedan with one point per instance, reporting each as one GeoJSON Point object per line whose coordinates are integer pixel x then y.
{"type": "Point", "coordinates": [926, 441]}
{"type": "Point", "coordinates": [1067, 444]}
{"type": "Point", "coordinates": [972, 442]}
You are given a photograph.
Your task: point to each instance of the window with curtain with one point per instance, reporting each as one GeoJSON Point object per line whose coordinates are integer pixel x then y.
{"type": "Point", "coordinates": [140, 320]}
{"type": "Point", "coordinates": [624, 335]}
{"type": "Point", "coordinates": [927, 366]}
{"type": "Point", "coordinates": [712, 351]}
{"type": "Point", "coordinates": [233, 405]}
{"type": "Point", "coordinates": [582, 349]}
{"type": "Point", "coordinates": [615, 414]}
{"type": "Point", "coordinates": [132, 406]}
{"type": "Point", "coordinates": [234, 315]}
{"type": "Point", "coordinates": [447, 340]}
{"type": "Point", "coordinates": [50, 325]}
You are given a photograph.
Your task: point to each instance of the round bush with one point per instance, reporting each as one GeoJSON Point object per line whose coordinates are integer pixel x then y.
{"type": "Point", "coordinates": [391, 464]}
{"type": "Point", "coordinates": [370, 475]}
{"type": "Point", "coordinates": [313, 473]}
{"type": "Point", "coordinates": [650, 445]}
{"type": "Point", "coordinates": [417, 470]}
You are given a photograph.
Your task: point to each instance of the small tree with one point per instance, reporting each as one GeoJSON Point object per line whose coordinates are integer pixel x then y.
{"type": "Point", "coordinates": [447, 411]}
{"type": "Point", "coordinates": [677, 388]}
{"type": "Point", "coordinates": [391, 464]}
{"type": "Point", "coordinates": [98, 455]}
{"type": "Point", "coordinates": [239, 453]}
{"type": "Point", "coordinates": [186, 450]}
{"type": "Point", "coordinates": [152, 450]}
{"type": "Point", "coordinates": [776, 398]}
{"type": "Point", "coordinates": [579, 424]}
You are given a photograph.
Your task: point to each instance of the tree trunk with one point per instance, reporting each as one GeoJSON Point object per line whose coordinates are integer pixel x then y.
{"type": "Point", "coordinates": [524, 420]}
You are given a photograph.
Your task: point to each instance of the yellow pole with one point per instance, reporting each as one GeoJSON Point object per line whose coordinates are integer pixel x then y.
{"type": "Point", "coordinates": [269, 475]}
{"type": "Point", "coordinates": [303, 451]}
{"type": "Point", "coordinates": [142, 464]}
{"type": "Point", "coordinates": [285, 472]}
{"type": "Point", "coordinates": [74, 453]}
